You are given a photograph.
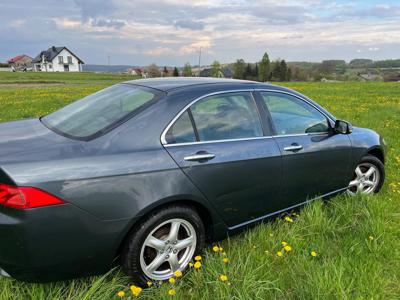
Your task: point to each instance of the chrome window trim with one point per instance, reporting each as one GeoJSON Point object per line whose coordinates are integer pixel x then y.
{"type": "Point", "coordinates": [164, 141]}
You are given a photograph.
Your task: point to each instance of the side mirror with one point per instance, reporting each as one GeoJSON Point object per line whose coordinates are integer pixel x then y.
{"type": "Point", "coordinates": [343, 127]}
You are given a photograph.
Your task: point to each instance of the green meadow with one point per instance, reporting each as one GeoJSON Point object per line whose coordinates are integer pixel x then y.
{"type": "Point", "coordinates": [356, 240]}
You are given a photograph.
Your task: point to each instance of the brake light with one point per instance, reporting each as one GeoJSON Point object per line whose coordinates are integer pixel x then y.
{"type": "Point", "coordinates": [26, 197]}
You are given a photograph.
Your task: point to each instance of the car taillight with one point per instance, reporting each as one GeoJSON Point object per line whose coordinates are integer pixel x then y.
{"type": "Point", "coordinates": [26, 197]}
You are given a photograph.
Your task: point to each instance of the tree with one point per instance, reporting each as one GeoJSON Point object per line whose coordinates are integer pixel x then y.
{"type": "Point", "coordinates": [165, 72]}
{"type": "Point", "coordinates": [216, 69]}
{"type": "Point", "coordinates": [187, 70]}
{"type": "Point", "coordinates": [175, 73]}
{"type": "Point", "coordinates": [153, 70]}
{"type": "Point", "coordinates": [264, 69]}
{"type": "Point", "coordinates": [255, 73]}
{"type": "Point", "coordinates": [283, 71]}
{"type": "Point", "coordinates": [239, 68]}
{"type": "Point", "coordinates": [276, 71]}
{"type": "Point", "coordinates": [248, 72]}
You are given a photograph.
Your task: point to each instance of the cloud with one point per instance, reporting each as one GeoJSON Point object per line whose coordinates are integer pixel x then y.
{"type": "Point", "coordinates": [171, 32]}
{"type": "Point", "coordinates": [189, 24]}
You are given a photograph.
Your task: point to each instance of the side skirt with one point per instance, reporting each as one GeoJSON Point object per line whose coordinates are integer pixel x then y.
{"type": "Point", "coordinates": [331, 194]}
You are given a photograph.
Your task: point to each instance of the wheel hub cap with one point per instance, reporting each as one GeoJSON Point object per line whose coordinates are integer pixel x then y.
{"type": "Point", "coordinates": [366, 179]}
{"type": "Point", "coordinates": [168, 248]}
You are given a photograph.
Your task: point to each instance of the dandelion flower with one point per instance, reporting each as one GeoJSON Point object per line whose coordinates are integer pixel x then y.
{"type": "Point", "coordinates": [371, 238]}
{"type": "Point", "coordinates": [223, 278]}
{"type": "Point", "coordinates": [149, 283]}
{"type": "Point", "coordinates": [197, 258]}
{"type": "Point", "coordinates": [171, 292]}
{"type": "Point", "coordinates": [279, 253]}
{"type": "Point", "coordinates": [190, 264]}
{"type": "Point", "coordinates": [287, 248]}
{"type": "Point", "coordinates": [284, 243]}
{"type": "Point", "coordinates": [271, 234]}
{"type": "Point", "coordinates": [288, 219]}
{"type": "Point", "coordinates": [171, 280]}
{"type": "Point", "coordinates": [178, 274]}
{"type": "Point", "coordinates": [135, 290]}
{"type": "Point", "coordinates": [313, 254]}
{"type": "Point", "coordinates": [224, 253]}
{"type": "Point", "coordinates": [225, 260]}
{"type": "Point", "coordinates": [197, 265]}
{"type": "Point", "coordinates": [221, 249]}
{"type": "Point", "coordinates": [215, 248]}
{"type": "Point", "coordinates": [121, 294]}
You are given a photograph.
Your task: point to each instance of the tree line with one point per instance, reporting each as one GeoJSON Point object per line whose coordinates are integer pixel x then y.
{"type": "Point", "coordinates": [263, 71]}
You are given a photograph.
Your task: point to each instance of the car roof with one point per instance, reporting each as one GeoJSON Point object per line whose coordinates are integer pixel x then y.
{"type": "Point", "coordinates": [172, 83]}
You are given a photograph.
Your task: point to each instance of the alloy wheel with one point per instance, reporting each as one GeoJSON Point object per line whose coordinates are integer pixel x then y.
{"type": "Point", "coordinates": [366, 179]}
{"type": "Point", "coordinates": [168, 248]}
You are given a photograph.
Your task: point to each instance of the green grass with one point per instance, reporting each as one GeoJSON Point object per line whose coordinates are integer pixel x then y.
{"type": "Point", "coordinates": [348, 266]}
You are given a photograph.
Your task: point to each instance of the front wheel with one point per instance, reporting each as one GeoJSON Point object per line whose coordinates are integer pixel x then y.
{"type": "Point", "coordinates": [165, 242]}
{"type": "Point", "coordinates": [368, 177]}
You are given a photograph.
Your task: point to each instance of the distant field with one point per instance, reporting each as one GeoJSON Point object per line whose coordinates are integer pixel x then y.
{"type": "Point", "coordinates": [357, 240]}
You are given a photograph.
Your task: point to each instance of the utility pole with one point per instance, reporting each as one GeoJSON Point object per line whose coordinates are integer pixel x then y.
{"type": "Point", "coordinates": [199, 61]}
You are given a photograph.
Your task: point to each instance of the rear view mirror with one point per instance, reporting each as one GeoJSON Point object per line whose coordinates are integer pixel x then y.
{"type": "Point", "coordinates": [343, 127]}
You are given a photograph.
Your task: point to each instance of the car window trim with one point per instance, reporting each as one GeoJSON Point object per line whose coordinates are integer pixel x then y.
{"type": "Point", "coordinates": [253, 90]}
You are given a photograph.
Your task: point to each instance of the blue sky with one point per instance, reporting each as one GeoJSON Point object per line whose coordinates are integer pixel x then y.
{"type": "Point", "coordinates": [171, 32]}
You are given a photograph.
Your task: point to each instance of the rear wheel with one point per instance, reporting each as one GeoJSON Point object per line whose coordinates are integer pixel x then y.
{"type": "Point", "coordinates": [368, 177]}
{"type": "Point", "coordinates": [165, 242]}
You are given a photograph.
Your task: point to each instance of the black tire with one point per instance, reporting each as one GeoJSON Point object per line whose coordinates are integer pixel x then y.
{"type": "Point", "coordinates": [131, 250]}
{"type": "Point", "coordinates": [370, 159]}
{"type": "Point", "coordinates": [379, 164]}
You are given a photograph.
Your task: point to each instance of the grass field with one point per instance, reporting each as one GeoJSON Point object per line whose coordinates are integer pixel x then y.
{"type": "Point", "coordinates": [357, 240]}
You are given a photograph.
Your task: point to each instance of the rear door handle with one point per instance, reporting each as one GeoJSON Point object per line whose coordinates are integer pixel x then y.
{"type": "Point", "coordinates": [293, 148]}
{"type": "Point", "coordinates": [199, 156]}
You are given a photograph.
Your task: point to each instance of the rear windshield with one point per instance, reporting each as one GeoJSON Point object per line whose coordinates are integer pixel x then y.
{"type": "Point", "coordinates": [100, 111]}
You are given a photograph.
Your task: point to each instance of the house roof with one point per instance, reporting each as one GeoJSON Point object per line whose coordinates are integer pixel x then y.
{"type": "Point", "coordinates": [17, 58]}
{"type": "Point", "coordinates": [51, 53]}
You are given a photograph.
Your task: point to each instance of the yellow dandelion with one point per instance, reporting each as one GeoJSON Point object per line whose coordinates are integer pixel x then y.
{"type": "Point", "coordinates": [221, 249]}
{"type": "Point", "coordinates": [371, 238]}
{"type": "Point", "coordinates": [271, 234]}
{"type": "Point", "coordinates": [171, 280]}
{"type": "Point", "coordinates": [287, 248]}
{"type": "Point", "coordinates": [224, 253]}
{"type": "Point", "coordinates": [149, 283]}
{"type": "Point", "coordinates": [225, 260]}
{"type": "Point", "coordinates": [190, 265]}
{"type": "Point", "coordinates": [197, 265]}
{"type": "Point", "coordinates": [197, 258]}
{"type": "Point", "coordinates": [171, 292]}
{"type": "Point", "coordinates": [279, 253]}
{"type": "Point", "coordinates": [313, 254]}
{"type": "Point", "coordinates": [178, 274]}
{"type": "Point", "coordinates": [215, 248]}
{"type": "Point", "coordinates": [288, 219]}
{"type": "Point", "coordinates": [284, 243]}
{"type": "Point", "coordinates": [223, 278]}
{"type": "Point", "coordinates": [135, 290]}
{"type": "Point", "coordinates": [121, 294]}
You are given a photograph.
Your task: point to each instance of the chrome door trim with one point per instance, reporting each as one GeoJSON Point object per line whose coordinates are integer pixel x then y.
{"type": "Point", "coordinates": [197, 157]}
{"type": "Point", "coordinates": [219, 141]}
{"type": "Point", "coordinates": [164, 141]}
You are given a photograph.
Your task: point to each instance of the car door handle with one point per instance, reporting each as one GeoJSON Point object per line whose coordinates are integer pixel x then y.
{"type": "Point", "coordinates": [293, 148]}
{"type": "Point", "coordinates": [199, 156]}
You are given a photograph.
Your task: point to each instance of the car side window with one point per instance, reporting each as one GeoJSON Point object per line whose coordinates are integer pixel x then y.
{"type": "Point", "coordinates": [291, 115]}
{"type": "Point", "coordinates": [226, 116]}
{"type": "Point", "coordinates": [181, 131]}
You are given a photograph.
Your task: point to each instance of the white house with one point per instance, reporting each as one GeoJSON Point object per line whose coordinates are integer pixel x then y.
{"type": "Point", "coordinates": [57, 59]}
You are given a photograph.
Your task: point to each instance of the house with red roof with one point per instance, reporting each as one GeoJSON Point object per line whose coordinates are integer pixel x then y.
{"type": "Point", "coordinates": [20, 62]}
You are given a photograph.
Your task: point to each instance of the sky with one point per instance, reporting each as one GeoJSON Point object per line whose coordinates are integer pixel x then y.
{"type": "Point", "coordinates": [171, 32]}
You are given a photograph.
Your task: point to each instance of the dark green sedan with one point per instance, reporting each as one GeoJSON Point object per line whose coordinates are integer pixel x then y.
{"type": "Point", "coordinates": [145, 172]}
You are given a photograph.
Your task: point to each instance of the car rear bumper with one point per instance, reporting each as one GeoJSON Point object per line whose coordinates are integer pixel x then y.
{"type": "Point", "coordinates": [56, 242]}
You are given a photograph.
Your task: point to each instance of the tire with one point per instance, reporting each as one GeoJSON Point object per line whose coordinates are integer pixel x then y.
{"type": "Point", "coordinates": [137, 256]}
{"type": "Point", "coordinates": [361, 182]}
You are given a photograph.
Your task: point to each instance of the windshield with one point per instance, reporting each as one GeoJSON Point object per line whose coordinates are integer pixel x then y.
{"type": "Point", "coordinates": [100, 111]}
